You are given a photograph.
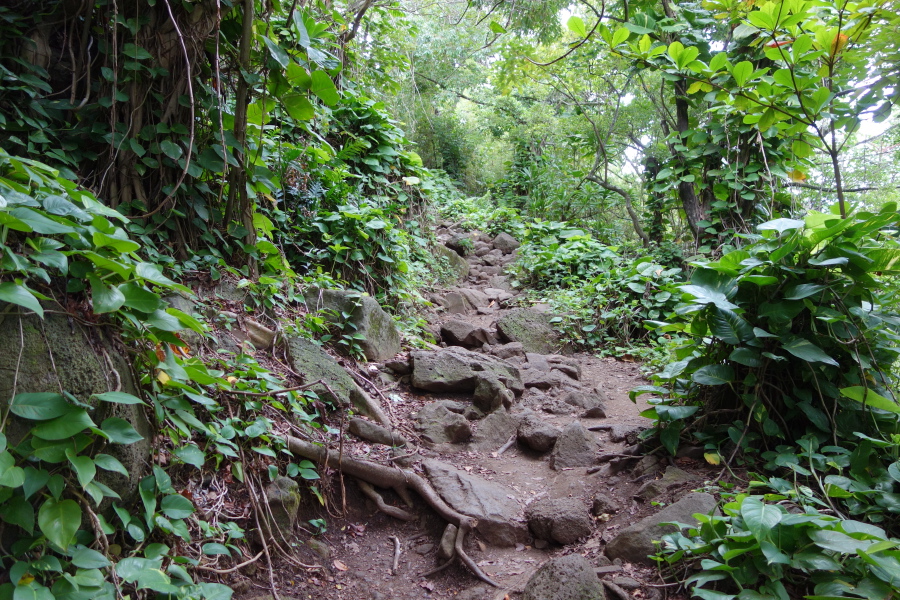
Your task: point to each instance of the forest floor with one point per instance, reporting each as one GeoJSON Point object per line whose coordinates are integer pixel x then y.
{"type": "Point", "coordinates": [357, 550]}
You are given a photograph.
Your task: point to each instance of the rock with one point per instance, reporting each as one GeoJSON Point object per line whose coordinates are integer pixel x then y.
{"type": "Point", "coordinates": [490, 271]}
{"type": "Point", "coordinates": [672, 476]}
{"type": "Point", "coordinates": [259, 335]}
{"type": "Point", "coordinates": [476, 298]}
{"type": "Point", "coordinates": [508, 350]}
{"type": "Point", "coordinates": [604, 505]}
{"type": "Point", "coordinates": [56, 352]}
{"type": "Point", "coordinates": [482, 248]}
{"type": "Point", "coordinates": [635, 543]}
{"type": "Point", "coordinates": [506, 243]}
{"type": "Point", "coordinates": [493, 258]}
{"type": "Point", "coordinates": [626, 583]}
{"type": "Point", "coordinates": [564, 578]}
{"type": "Point", "coordinates": [479, 592]}
{"type": "Point", "coordinates": [180, 301]}
{"type": "Point", "coordinates": [530, 327]}
{"type": "Point", "coordinates": [560, 520]}
{"type": "Point", "coordinates": [461, 243]}
{"type": "Point", "coordinates": [501, 282]}
{"type": "Point", "coordinates": [491, 503]}
{"type": "Point", "coordinates": [490, 394]}
{"type": "Point", "coordinates": [309, 360]}
{"type": "Point", "coordinates": [229, 291]}
{"type": "Point", "coordinates": [283, 497]}
{"type": "Point", "coordinates": [575, 447]}
{"type": "Point", "coordinates": [456, 304]}
{"type": "Point", "coordinates": [592, 404]}
{"type": "Point", "coordinates": [382, 338]}
{"type": "Point", "coordinates": [545, 380]}
{"type": "Point", "coordinates": [648, 464]}
{"type": "Point", "coordinates": [494, 431]}
{"type": "Point", "coordinates": [459, 370]}
{"type": "Point", "coordinates": [399, 366]}
{"type": "Point", "coordinates": [458, 266]}
{"type": "Point", "coordinates": [446, 548]}
{"type": "Point", "coordinates": [568, 366]}
{"type": "Point", "coordinates": [320, 548]}
{"type": "Point", "coordinates": [537, 361]}
{"type": "Point", "coordinates": [439, 425]}
{"type": "Point", "coordinates": [536, 433]}
{"type": "Point", "coordinates": [373, 432]}
{"type": "Point", "coordinates": [625, 433]}
{"type": "Point", "coordinates": [461, 333]}
{"type": "Point", "coordinates": [424, 549]}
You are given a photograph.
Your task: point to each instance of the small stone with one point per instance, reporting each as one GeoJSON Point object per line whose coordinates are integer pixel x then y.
{"type": "Point", "coordinates": [424, 549]}
{"type": "Point", "coordinates": [320, 548]}
{"type": "Point", "coordinates": [672, 476]}
{"type": "Point", "coordinates": [260, 336]}
{"type": "Point", "coordinates": [604, 505]}
{"type": "Point", "coordinates": [399, 366]}
{"type": "Point", "coordinates": [506, 243]}
{"type": "Point", "coordinates": [541, 544]}
{"type": "Point", "coordinates": [508, 350]}
{"type": "Point", "coordinates": [626, 583]}
{"type": "Point", "coordinates": [446, 549]}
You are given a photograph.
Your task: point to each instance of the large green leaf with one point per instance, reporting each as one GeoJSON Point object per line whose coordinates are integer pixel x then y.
{"type": "Point", "coordinates": [119, 398]}
{"type": "Point", "coordinates": [120, 431]}
{"type": "Point", "coordinates": [729, 326]}
{"type": "Point", "coordinates": [11, 476]}
{"type": "Point", "coordinates": [799, 291]}
{"type": "Point", "coordinates": [110, 463]}
{"type": "Point", "coordinates": [41, 406]}
{"type": "Point", "coordinates": [18, 511]}
{"type": "Point", "coordinates": [105, 298]}
{"type": "Point", "coordinates": [277, 52]}
{"type": "Point", "coordinates": [324, 88]}
{"type": "Point", "coordinates": [759, 517]}
{"type": "Point", "coordinates": [176, 506]}
{"type": "Point", "coordinates": [18, 294]}
{"type": "Point", "coordinates": [41, 224]}
{"type": "Point", "coordinates": [64, 427]}
{"type": "Point", "coordinates": [298, 107]}
{"type": "Point", "coordinates": [806, 350]}
{"type": "Point", "coordinates": [139, 297]}
{"type": "Point", "coordinates": [59, 520]}
{"type": "Point", "coordinates": [781, 225]}
{"type": "Point", "coordinates": [704, 295]}
{"type": "Point", "coordinates": [870, 398]}
{"type": "Point", "coordinates": [884, 259]}
{"type": "Point", "coordinates": [714, 375]}
{"type": "Point", "coordinates": [837, 541]}
{"type": "Point", "coordinates": [84, 467]}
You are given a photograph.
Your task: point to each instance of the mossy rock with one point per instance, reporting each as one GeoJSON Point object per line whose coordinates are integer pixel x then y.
{"type": "Point", "coordinates": [313, 363]}
{"type": "Point", "coordinates": [459, 267]}
{"type": "Point", "coordinates": [382, 338]}
{"type": "Point", "coordinates": [531, 328]}
{"type": "Point", "coordinates": [57, 352]}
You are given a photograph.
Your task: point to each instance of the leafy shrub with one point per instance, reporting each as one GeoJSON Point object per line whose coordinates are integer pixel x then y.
{"type": "Point", "coordinates": [786, 334]}
{"type": "Point", "coordinates": [759, 549]}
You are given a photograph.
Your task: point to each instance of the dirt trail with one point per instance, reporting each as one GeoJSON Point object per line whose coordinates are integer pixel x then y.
{"type": "Point", "coordinates": [357, 550]}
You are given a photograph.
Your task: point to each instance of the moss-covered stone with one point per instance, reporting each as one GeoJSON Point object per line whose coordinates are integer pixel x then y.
{"type": "Point", "coordinates": [459, 268]}
{"type": "Point", "coordinates": [283, 496]}
{"type": "Point", "coordinates": [382, 338]}
{"type": "Point", "coordinates": [531, 328]}
{"type": "Point", "coordinates": [58, 353]}
{"type": "Point", "coordinates": [313, 363]}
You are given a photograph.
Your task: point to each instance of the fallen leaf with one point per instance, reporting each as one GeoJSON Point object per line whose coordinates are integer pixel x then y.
{"type": "Point", "coordinates": [339, 565]}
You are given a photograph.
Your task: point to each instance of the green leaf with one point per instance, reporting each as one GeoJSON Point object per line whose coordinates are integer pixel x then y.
{"type": "Point", "coordinates": [298, 107]}
{"type": "Point", "coordinates": [759, 517]}
{"type": "Point", "coordinates": [277, 52]}
{"type": "Point", "coordinates": [324, 88]}
{"type": "Point", "coordinates": [58, 205]}
{"type": "Point", "coordinates": [741, 72]}
{"type": "Point", "coordinates": [713, 375]}
{"type": "Point", "coordinates": [213, 549]}
{"type": "Point", "coordinates": [85, 558]}
{"type": "Point", "coordinates": [120, 431]}
{"type": "Point", "coordinates": [59, 520]}
{"type": "Point", "coordinates": [64, 427]}
{"type": "Point", "coordinates": [176, 506]}
{"type": "Point", "coordinates": [576, 25]}
{"type": "Point", "coordinates": [497, 27]}
{"type": "Point", "coordinates": [19, 294]}
{"type": "Point", "coordinates": [745, 356]}
{"type": "Point", "coordinates": [870, 398]}
{"type": "Point", "coordinates": [105, 298]}
{"type": "Point", "coordinates": [84, 467]}
{"type": "Point", "coordinates": [799, 291]}
{"type": "Point", "coordinates": [110, 463]}
{"type": "Point", "coordinates": [119, 398]}
{"type": "Point", "coordinates": [729, 326]}
{"type": "Point", "coordinates": [39, 223]}
{"type": "Point", "coordinates": [806, 350]}
{"type": "Point", "coordinates": [704, 295]}
{"type": "Point", "coordinates": [11, 476]}
{"type": "Point", "coordinates": [171, 149]}
{"type": "Point", "coordinates": [781, 225]}
{"type": "Point", "coordinates": [620, 36]}
{"type": "Point", "coordinates": [102, 240]}
{"type": "Point", "coordinates": [41, 406]}
{"type": "Point", "coordinates": [18, 511]}
{"type": "Point", "coordinates": [837, 541]}
{"type": "Point", "coordinates": [191, 454]}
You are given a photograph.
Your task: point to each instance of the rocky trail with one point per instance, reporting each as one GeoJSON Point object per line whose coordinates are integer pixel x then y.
{"type": "Point", "coordinates": [498, 428]}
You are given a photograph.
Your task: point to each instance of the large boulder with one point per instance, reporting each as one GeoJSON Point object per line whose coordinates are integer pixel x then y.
{"type": "Point", "coordinates": [58, 353]}
{"type": "Point", "coordinates": [560, 520]}
{"type": "Point", "coordinates": [564, 578]}
{"type": "Point", "coordinates": [575, 447]}
{"type": "Point", "coordinates": [382, 338]}
{"type": "Point", "coordinates": [530, 327]}
{"type": "Point", "coordinates": [462, 333]}
{"type": "Point", "coordinates": [506, 243]}
{"type": "Point", "coordinates": [458, 370]}
{"type": "Point", "coordinates": [459, 267]}
{"type": "Point", "coordinates": [635, 543]}
{"type": "Point", "coordinates": [309, 360]}
{"type": "Point", "coordinates": [438, 424]}
{"type": "Point", "coordinates": [491, 503]}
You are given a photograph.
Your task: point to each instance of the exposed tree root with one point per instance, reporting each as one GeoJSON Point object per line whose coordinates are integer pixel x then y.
{"type": "Point", "coordinates": [393, 511]}
{"type": "Point", "coordinates": [398, 479]}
